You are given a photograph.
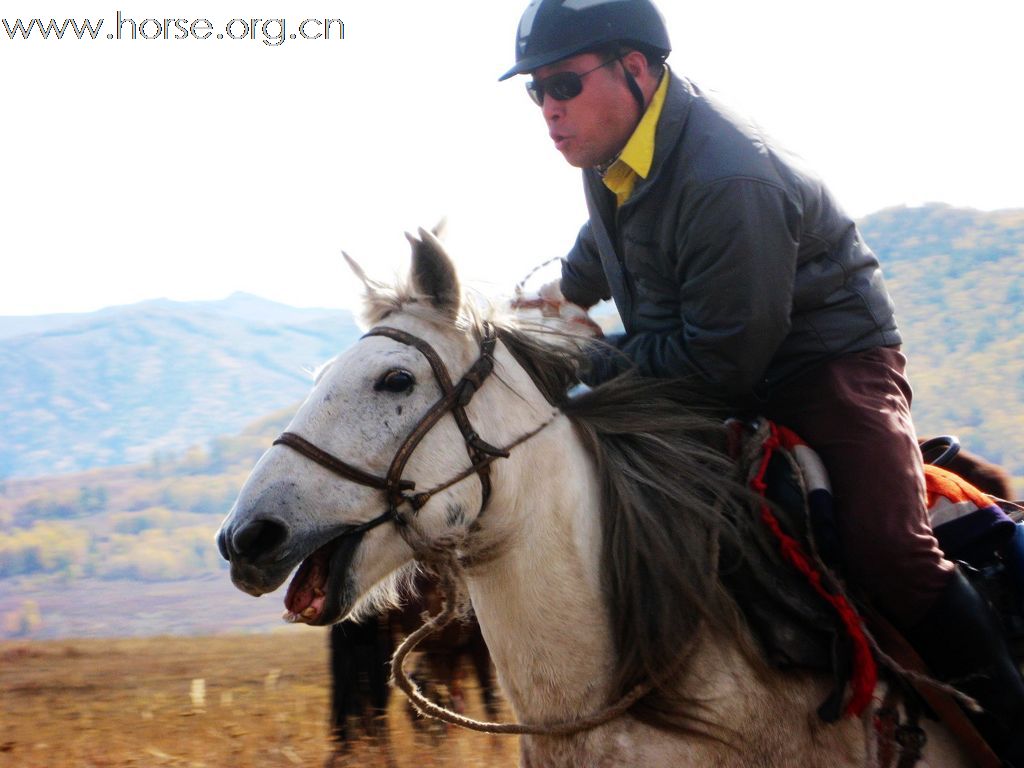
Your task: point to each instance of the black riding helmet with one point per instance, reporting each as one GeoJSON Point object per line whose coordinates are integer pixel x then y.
{"type": "Point", "coordinates": [552, 30]}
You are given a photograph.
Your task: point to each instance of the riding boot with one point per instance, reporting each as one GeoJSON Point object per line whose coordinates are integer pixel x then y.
{"type": "Point", "coordinates": [962, 643]}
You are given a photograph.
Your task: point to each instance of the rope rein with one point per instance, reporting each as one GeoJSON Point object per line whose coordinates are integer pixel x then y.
{"type": "Point", "coordinates": [428, 708]}
{"type": "Point", "coordinates": [522, 283]}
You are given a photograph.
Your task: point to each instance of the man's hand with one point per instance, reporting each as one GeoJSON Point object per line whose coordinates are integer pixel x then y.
{"type": "Point", "coordinates": [551, 303]}
{"type": "Point", "coordinates": [549, 300]}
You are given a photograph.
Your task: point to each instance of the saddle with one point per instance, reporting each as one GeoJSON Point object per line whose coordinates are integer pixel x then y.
{"type": "Point", "coordinates": [790, 589]}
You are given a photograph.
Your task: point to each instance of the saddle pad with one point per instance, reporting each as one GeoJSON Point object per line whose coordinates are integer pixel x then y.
{"type": "Point", "coordinates": [969, 524]}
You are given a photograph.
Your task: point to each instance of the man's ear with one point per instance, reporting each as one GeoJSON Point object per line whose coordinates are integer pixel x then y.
{"type": "Point", "coordinates": [636, 64]}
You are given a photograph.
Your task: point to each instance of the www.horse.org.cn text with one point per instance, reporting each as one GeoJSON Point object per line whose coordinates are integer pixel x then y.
{"type": "Point", "coordinates": [272, 32]}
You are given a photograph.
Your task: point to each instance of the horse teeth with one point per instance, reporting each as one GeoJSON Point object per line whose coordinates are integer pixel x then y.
{"type": "Point", "coordinates": [290, 617]}
{"type": "Point", "coordinates": [309, 613]}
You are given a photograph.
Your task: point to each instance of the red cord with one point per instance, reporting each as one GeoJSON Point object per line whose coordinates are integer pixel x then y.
{"type": "Point", "coordinates": [865, 673]}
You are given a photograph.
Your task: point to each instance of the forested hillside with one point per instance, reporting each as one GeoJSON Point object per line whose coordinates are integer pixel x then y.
{"type": "Point", "coordinates": [129, 550]}
{"type": "Point", "coordinates": [957, 277]}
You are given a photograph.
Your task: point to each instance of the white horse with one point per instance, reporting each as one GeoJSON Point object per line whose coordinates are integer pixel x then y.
{"type": "Point", "coordinates": [586, 536]}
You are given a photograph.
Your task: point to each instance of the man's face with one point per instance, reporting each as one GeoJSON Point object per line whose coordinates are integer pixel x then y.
{"type": "Point", "coordinates": [593, 127]}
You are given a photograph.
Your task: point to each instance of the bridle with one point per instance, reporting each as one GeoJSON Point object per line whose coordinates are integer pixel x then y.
{"type": "Point", "coordinates": [454, 398]}
{"type": "Point", "coordinates": [482, 454]}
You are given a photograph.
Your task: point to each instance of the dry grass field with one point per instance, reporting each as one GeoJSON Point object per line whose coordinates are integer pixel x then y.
{"type": "Point", "coordinates": [264, 703]}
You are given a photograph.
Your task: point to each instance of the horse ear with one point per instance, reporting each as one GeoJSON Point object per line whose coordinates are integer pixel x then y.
{"type": "Point", "coordinates": [358, 271]}
{"type": "Point", "coordinates": [373, 287]}
{"type": "Point", "coordinates": [433, 274]}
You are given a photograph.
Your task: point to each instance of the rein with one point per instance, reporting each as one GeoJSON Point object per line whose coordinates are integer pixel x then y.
{"type": "Point", "coordinates": [428, 708]}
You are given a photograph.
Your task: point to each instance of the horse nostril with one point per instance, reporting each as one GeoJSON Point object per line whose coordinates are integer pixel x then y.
{"type": "Point", "coordinates": [258, 537]}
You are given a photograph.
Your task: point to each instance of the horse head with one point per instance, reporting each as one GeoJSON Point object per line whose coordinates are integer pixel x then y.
{"type": "Point", "coordinates": [382, 463]}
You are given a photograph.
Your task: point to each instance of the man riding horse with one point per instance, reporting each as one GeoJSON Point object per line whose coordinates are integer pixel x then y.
{"type": "Point", "coordinates": [735, 267]}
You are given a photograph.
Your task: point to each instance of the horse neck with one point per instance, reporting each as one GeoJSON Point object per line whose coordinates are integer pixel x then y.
{"type": "Point", "coordinates": [537, 594]}
{"type": "Point", "coordinates": [539, 600]}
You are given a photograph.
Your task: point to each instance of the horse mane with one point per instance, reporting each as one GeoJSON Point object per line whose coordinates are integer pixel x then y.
{"type": "Point", "coordinates": [671, 501]}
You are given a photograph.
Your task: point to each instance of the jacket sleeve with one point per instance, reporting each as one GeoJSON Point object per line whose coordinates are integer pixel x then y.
{"type": "Point", "coordinates": [583, 281]}
{"type": "Point", "coordinates": [735, 264]}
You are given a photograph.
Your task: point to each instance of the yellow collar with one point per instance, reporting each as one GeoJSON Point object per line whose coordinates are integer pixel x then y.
{"type": "Point", "coordinates": [637, 156]}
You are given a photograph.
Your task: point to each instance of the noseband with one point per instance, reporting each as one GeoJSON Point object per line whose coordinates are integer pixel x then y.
{"type": "Point", "coordinates": [454, 398]}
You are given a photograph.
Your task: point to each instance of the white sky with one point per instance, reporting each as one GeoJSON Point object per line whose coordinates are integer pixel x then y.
{"type": "Point", "coordinates": [134, 169]}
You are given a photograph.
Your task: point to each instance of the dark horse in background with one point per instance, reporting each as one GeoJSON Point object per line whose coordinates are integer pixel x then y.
{"type": "Point", "coordinates": [982, 474]}
{"type": "Point", "coordinates": [360, 658]}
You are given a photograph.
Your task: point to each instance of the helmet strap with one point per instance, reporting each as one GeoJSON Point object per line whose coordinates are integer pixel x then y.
{"type": "Point", "coordinates": [634, 88]}
{"type": "Point", "coordinates": [638, 94]}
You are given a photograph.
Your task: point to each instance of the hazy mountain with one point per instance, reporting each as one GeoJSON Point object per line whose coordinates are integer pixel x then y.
{"type": "Point", "coordinates": [119, 385]}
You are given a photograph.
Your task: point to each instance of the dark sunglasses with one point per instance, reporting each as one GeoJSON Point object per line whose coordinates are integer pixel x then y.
{"type": "Point", "coordinates": [560, 86]}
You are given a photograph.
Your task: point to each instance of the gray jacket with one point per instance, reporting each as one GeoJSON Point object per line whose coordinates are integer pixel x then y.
{"type": "Point", "coordinates": [729, 262]}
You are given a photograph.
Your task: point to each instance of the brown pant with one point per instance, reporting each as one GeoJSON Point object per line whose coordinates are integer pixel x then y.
{"type": "Point", "coordinates": [855, 412]}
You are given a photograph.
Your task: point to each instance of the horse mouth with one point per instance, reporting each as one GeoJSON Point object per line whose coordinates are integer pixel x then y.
{"type": "Point", "coordinates": [317, 590]}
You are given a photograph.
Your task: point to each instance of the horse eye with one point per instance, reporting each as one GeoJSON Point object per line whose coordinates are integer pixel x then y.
{"type": "Point", "coordinates": [398, 380]}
